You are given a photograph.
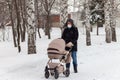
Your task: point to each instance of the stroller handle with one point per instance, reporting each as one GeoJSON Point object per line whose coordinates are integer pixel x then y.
{"type": "Point", "coordinates": [69, 48]}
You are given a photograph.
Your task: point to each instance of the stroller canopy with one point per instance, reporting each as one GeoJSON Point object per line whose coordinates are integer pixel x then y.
{"type": "Point", "coordinates": [57, 45]}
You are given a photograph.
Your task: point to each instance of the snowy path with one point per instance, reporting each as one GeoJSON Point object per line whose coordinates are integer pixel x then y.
{"type": "Point", "coordinates": [96, 66]}
{"type": "Point", "coordinates": [100, 61]}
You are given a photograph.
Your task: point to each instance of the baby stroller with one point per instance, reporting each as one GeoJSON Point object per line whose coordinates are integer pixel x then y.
{"type": "Point", "coordinates": [56, 50]}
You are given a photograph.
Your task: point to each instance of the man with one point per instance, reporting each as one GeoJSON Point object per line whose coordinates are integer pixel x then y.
{"type": "Point", "coordinates": [70, 35]}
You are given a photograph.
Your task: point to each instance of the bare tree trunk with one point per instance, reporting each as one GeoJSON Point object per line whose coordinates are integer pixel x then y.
{"type": "Point", "coordinates": [3, 31]}
{"type": "Point", "coordinates": [48, 26]}
{"type": "Point", "coordinates": [45, 28]}
{"type": "Point", "coordinates": [113, 20]}
{"type": "Point", "coordinates": [91, 28]}
{"type": "Point", "coordinates": [3, 26]}
{"type": "Point", "coordinates": [63, 13]}
{"type": "Point", "coordinates": [31, 26]}
{"type": "Point", "coordinates": [48, 7]}
{"type": "Point", "coordinates": [37, 15]}
{"type": "Point", "coordinates": [97, 30]}
{"type": "Point", "coordinates": [87, 23]}
{"type": "Point", "coordinates": [22, 17]}
{"type": "Point", "coordinates": [12, 22]}
{"type": "Point", "coordinates": [114, 34]}
{"type": "Point", "coordinates": [107, 22]}
{"type": "Point", "coordinates": [18, 24]}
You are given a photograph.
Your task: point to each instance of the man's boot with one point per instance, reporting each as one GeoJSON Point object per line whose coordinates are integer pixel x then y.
{"type": "Point", "coordinates": [75, 68]}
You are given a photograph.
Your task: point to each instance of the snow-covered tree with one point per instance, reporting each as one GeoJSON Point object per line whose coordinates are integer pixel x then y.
{"type": "Point", "coordinates": [113, 20]}
{"type": "Point", "coordinates": [87, 23]}
{"type": "Point", "coordinates": [107, 21]}
{"type": "Point", "coordinates": [63, 12]}
{"type": "Point", "coordinates": [31, 26]}
{"type": "Point", "coordinates": [48, 4]}
{"type": "Point", "coordinates": [10, 6]}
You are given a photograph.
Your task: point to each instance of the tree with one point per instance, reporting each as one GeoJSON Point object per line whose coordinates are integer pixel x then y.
{"type": "Point", "coordinates": [87, 23]}
{"type": "Point", "coordinates": [18, 21]}
{"type": "Point", "coordinates": [48, 4]}
{"type": "Point", "coordinates": [16, 4]}
{"type": "Point", "coordinates": [12, 21]}
{"type": "Point", "coordinates": [63, 12]}
{"type": "Point", "coordinates": [31, 26]}
{"type": "Point", "coordinates": [107, 21]}
{"type": "Point", "coordinates": [37, 16]}
{"type": "Point", "coordinates": [22, 10]}
{"type": "Point", "coordinates": [4, 16]}
{"type": "Point", "coordinates": [113, 20]}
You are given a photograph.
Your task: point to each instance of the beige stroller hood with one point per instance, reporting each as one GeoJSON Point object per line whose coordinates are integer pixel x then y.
{"type": "Point", "coordinates": [56, 49]}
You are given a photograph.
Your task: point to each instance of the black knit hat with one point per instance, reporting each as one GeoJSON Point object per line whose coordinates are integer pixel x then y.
{"type": "Point", "coordinates": [69, 20]}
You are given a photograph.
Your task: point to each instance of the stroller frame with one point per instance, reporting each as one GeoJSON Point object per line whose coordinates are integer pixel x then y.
{"type": "Point", "coordinates": [57, 68]}
{"type": "Point", "coordinates": [56, 50]}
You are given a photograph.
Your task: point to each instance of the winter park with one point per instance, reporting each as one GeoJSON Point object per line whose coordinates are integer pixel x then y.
{"type": "Point", "coordinates": [59, 39]}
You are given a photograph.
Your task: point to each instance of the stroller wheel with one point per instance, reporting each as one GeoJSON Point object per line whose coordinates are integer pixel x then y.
{"type": "Point", "coordinates": [66, 73]}
{"type": "Point", "coordinates": [47, 74]}
{"type": "Point", "coordinates": [56, 74]}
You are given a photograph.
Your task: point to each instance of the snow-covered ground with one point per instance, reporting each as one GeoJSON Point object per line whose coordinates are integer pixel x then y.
{"type": "Point", "coordinates": [100, 61]}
